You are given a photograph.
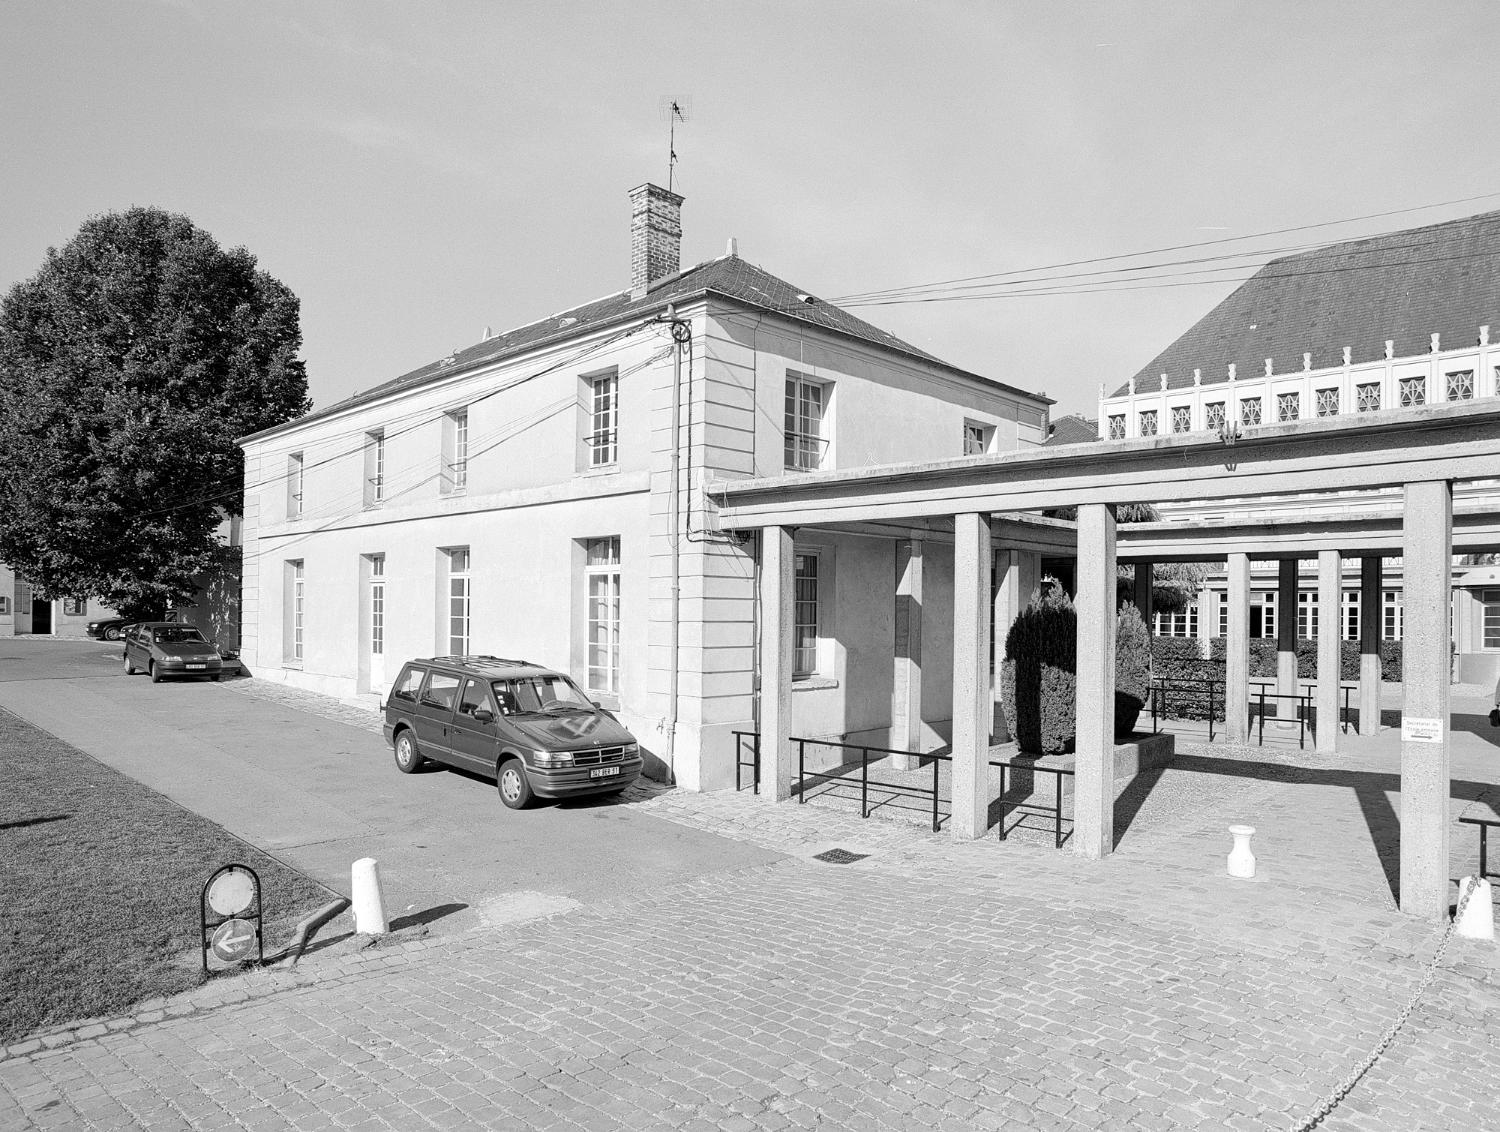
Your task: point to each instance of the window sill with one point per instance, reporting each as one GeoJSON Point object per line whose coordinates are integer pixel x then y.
{"type": "Point", "coordinates": [601, 470]}
{"type": "Point", "coordinates": [288, 663]}
{"type": "Point", "coordinates": [813, 683]}
{"type": "Point", "coordinates": [610, 701]}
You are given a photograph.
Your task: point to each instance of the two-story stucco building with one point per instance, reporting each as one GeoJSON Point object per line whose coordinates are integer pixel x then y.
{"type": "Point", "coordinates": [540, 495]}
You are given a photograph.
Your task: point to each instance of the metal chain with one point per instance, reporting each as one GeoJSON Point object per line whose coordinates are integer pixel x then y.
{"type": "Point", "coordinates": [1333, 1098]}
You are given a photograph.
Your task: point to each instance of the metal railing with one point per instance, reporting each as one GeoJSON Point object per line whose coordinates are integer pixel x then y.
{"type": "Point", "coordinates": [739, 759]}
{"type": "Point", "coordinates": [1304, 707]}
{"type": "Point", "coordinates": [864, 774]}
{"type": "Point", "coordinates": [1055, 809]}
{"type": "Point", "coordinates": [1163, 686]}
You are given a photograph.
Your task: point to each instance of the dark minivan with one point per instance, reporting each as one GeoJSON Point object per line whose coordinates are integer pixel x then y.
{"type": "Point", "coordinates": [529, 728]}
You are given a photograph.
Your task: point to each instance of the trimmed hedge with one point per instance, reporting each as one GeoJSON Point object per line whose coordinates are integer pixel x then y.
{"type": "Point", "coordinates": [1263, 658]}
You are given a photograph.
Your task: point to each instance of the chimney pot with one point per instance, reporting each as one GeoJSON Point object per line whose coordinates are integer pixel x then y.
{"type": "Point", "coordinates": [655, 236]}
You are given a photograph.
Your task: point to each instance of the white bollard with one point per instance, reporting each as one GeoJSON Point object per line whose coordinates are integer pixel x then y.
{"type": "Point", "coordinates": [1241, 860]}
{"type": "Point", "coordinates": [369, 900]}
{"type": "Point", "coordinates": [1478, 920]}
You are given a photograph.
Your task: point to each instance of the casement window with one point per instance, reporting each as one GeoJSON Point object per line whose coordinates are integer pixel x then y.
{"type": "Point", "coordinates": [295, 611]}
{"type": "Point", "coordinates": [1117, 426]}
{"type": "Point", "coordinates": [1393, 615]}
{"type": "Point", "coordinates": [806, 442]}
{"type": "Point", "coordinates": [375, 471]}
{"type": "Point", "coordinates": [1327, 402]}
{"type": "Point", "coordinates": [377, 605]}
{"type": "Point", "coordinates": [1490, 604]}
{"type": "Point", "coordinates": [1413, 391]}
{"type": "Point", "coordinates": [1223, 600]}
{"type": "Point", "coordinates": [1250, 411]}
{"type": "Point", "coordinates": [1263, 616]}
{"type": "Point", "coordinates": [977, 438]}
{"type": "Point", "coordinates": [1307, 614]}
{"type": "Point", "coordinates": [602, 588]}
{"type": "Point", "coordinates": [1148, 422]}
{"type": "Point", "coordinates": [1367, 396]}
{"type": "Point", "coordinates": [455, 475]}
{"type": "Point", "coordinates": [1461, 385]}
{"type": "Point", "coordinates": [1351, 615]}
{"type": "Point", "coordinates": [603, 440]}
{"type": "Point", "coordinates": [1213, 415]}
{"type": "Point", "coordinates": [1288, 406]}
{"type": "Point", "coordinates": [294, 467]}
{"type": "Point", "coordinates": [4, 605]}
{"type": "Point", "coordinates": [74, 607]}
{"type": "Point", "coordinates": [1182, 418]}
{"type": "Point", "coordinates": [1183, 623]}
{"type": "Point", "coordinates": [805, 615]}
{"type": "Point", "coordinates": [459, 601]}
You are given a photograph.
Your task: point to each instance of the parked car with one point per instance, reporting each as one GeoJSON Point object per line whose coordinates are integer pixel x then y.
{"type": "Point", "coordinates": [166, 648]}
{"type": "Point", "coordinates": [529, 728]}
{"type": "Point", "coordinates": [107, 629]}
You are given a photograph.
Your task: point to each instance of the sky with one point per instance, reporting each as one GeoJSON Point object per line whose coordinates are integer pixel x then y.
{"type": "Point", "coordinates": [417, 172]}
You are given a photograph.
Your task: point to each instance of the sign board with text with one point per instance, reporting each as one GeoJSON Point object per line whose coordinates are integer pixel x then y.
{"type": "Point", "coordinates": [1415, 729]}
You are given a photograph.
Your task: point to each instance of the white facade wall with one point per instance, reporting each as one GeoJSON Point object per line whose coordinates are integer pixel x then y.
{"type": "Point", "coordinates": [531, 501]}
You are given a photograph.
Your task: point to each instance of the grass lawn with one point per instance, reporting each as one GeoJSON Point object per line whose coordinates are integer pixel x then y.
{"type": "Point", "coordinates": [99, 884]}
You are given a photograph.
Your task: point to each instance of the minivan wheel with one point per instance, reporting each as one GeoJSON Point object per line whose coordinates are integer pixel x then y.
{"type": "Point", "coordinates": [515, 791]}
{"type": "Point", "coordinates": [129, 668]}
{"type": "Point", "coordinates": [153, 672]}
{"type": "Point", "coordinates": [409, 760]}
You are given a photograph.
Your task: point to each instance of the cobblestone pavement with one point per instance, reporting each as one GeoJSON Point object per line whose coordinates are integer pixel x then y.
{"type": "Point", "coordinates": [931, 985]}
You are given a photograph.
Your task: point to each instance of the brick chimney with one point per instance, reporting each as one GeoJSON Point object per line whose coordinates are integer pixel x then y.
{"type": "Point", "coordinates": [655, 236]}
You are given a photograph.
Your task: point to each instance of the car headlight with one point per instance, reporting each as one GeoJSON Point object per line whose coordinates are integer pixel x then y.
{"type": "Point", "coordinates": [172, 659]}
{"type": "Point", "coordinates": [552, 758]}
{"type": "Point", "coordinates": [632, 749]}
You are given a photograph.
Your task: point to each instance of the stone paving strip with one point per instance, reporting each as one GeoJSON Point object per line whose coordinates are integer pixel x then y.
{"type": "Point", "coordinates": [928, 985]}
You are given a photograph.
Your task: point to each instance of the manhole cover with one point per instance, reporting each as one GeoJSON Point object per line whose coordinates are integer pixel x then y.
{"type": "Point", "coordinates": [839, 857]}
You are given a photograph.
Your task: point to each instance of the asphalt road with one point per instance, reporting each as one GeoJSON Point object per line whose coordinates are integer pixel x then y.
{"type": "Point", "coordinates": [320, 794]}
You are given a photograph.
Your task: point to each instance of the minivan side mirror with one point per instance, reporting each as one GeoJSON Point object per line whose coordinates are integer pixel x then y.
{"type": "Point", "coordinates": [484, 715]}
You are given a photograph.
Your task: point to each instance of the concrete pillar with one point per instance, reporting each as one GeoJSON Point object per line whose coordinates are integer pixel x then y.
{"type": "Point", "coordinates": [777, 624]}
{"type": "Point", "coordinates": [1237, 652]}
{"type": "Point", "coordinates": [906, 697]}
{"type": "Point", "coordinates": [1330, 614]}
{"type": "Point", "coordinates": [1094, 768]}
{"type": "Point", "coordinates": [973, 707]}
{"type": "Point", "coordinates": [1141, 592]}
{"type": "Point", "coordinates": [1286, 637]}
{"type": "Point", "coordinates": [1427, 547]}
{"type": "Point", "coordinates": [1370, 629]}
{"type": "Point", "coordinates": [1009, 601]}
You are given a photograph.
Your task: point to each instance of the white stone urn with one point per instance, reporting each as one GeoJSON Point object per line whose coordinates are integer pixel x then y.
{"type": "Point", "coordinates": [1241, 860]}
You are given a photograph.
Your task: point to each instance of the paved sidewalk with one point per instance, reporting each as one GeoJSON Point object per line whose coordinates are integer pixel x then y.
{"type": "Point", "coordinates": [929, 985]}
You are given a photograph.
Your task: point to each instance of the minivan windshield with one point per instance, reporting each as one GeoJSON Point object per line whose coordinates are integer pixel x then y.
{"type": "Point", "coordinates": [539, 695]}
{"type": "Point", "coordinates": [182, 633]}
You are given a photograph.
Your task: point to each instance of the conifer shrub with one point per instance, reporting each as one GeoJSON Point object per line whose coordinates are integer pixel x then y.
{"type": "Point", "coordinates": [1132, 669]}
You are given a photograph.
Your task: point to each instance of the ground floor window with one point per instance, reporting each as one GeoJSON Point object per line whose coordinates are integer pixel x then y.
{"type": "Point", "coordinates": [1351, 615]}
{"type": "Point", "coordinates": [377, 605]}
{"type": "Point", "coordinates": [459, 599]}
{"type": "Point", "coordinates": [602, 568]}
{"type": "Point", "coordinates": [1263, 615]}
{"type": "Point", "coordinates": [297, 596]}
{"type": "Point", "coordinates": [805, 632]}
{"type": "Point", "coordinates": [74, 608]}
{"type": "Point", "coordinates": [1307, 615]}
{"type": "Point", "coordinates": [1392, 615]}
{"type": "Point", "coordinates": [1183, 623]}
{"type": "Point", "coordinates": [1490, 602]}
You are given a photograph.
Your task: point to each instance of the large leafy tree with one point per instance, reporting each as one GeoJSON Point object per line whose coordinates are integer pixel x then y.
{"type": "Point", "coordinates": [129, 365]}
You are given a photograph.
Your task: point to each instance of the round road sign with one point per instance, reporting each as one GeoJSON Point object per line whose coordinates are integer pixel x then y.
{"type": "Point", "coordinates": [233, 940]}
{"type": "Point", "coordinates": [231, 892]}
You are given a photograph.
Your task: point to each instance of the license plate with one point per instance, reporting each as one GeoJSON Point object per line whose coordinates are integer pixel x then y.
{"type": "Point", "coordinates": [197, 666]}
{"type": "Point", "coordinates": [604, 771]}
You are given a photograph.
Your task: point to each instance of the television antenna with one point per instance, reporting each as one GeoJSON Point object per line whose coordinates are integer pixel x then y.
{"type": "Point", "coordinates": [674, 110]}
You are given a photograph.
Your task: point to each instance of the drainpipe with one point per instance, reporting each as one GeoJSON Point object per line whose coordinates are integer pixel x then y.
{"type": "Point", "coordinates": [681, 331]}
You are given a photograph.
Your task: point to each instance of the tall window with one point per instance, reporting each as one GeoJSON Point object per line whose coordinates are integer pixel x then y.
{"type": "Point", "coordinates": [1392, 615]}
{"type": "Point", "coordinates": [294, 485]}
{"type": "Point", "coordinates": [805, 619]}
{"type": "Point", "coordinates": [1490, 599]}
{"type": "Point", "coordinates": [1263, 615]}
{"type": "Point", "coordinates": [1223, 600]}
{"type": "Point", "coordinates": [604, 420]}
{"type": "Point", "coordinates": [1351, 615]}
{"type": "Point", "coordinates": [804, 424]}
{"type": "Point", "coordinates": [377, 605]}
{"type": "Point", "coordinates": [456, 450]}
{"type": "Point", "coordinates": [1307, 614]}
{"type": "Point", "coordinates": [458, 601]}
{"type": "Point", "coordinates": [298, 598]}
{"type": "Point", "coordinates": [602, 570]}
{"type": "Point", "coordinates": [375, 467]}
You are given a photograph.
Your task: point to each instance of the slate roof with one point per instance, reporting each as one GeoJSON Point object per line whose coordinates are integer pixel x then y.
{"type": "Point", "coordinates": [1406, 286]}
{"type": "Point", "coordinates": [728, 276]}
{"type": "Point", "coordinates": [1075, 428]}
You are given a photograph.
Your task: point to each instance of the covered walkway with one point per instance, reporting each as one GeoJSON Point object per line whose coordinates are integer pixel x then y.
{"type": "Point", "coordinates": [1422, 452]}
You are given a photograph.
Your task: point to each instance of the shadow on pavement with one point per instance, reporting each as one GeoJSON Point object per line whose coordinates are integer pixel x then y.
{"type": "Point", "coordinates": [417, 919]}
{"type": "Point", "coordinates": [34, 821]}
